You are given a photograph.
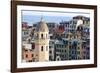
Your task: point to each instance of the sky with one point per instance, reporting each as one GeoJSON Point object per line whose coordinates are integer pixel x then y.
{"type": "Point", "coordinates": [32, 17]}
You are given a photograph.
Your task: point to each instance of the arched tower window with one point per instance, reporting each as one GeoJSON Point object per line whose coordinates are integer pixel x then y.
{"type": "Point", "coordinates": [46, 36]}
{"type": "Point", "coordinates": [42, 36]}
{"type": "Point", "coordinates": [37, 35]}
{"type": "Point", "coordinates": [46, 48]}
{"type": "Point", "coordinates": [41, 48]}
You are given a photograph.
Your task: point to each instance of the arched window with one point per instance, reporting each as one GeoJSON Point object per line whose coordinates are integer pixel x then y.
{"type": "Point", "coordinates": [46, 48]}
{"type": "Point", "coordinates": [33, 46]}
{"type": "Point", "coordinates": [29, 40]}
{"type": "Point", "coordinates": [41, 48]}
{"type": "Point", "coordinates": [46, 36]}
{"type": "Point", "coordinates": [26, 56]}
{"type": "Point", "coordinates": [42, 36]}
{"type": "Point", "coordinates": [37, 35]}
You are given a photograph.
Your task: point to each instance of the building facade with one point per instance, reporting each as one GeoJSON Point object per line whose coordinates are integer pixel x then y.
{"type": "Point", "coordinates": [68, 40]}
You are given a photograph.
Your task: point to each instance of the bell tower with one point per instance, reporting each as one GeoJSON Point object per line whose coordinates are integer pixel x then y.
{"type": "Point", "coordinates": [42, 41]}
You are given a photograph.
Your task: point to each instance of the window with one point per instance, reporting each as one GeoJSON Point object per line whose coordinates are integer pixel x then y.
{"type": "Point", "coordinates": [49, 46]}
{"type": "Point", "coordinates": [74, 37]}
{"type": "Point", "coordinates": [33, 46]}
{"type": "Point", "coordinates": [79, 57]}
{"type": "Point", "coordinates": [50, 51]}
{"type": "Point", "coordinates": [69, 47]}
{"type": "Point", "coordinates": [31, 50]}
{"type": "Point", "coordinates": [61, 46]}
{"type": "Point", "coordinates": [42, 36]}
{"type": "Point", "coordinates": [78, 52]}
{"type": "Point", "coordinates": [83, 22]}
{"type": "Point", "coordinates": [37, 35]}
{"type": "Point", "coordinates": [67, 36]}
{"type": "Point", "coordinates": [26, 50]}
{"type": "Point", "coordinates": [32, 55]}
{"type": "Point", "coordinates": [87, 57]}
{"type": "Point", "coordinates": [78, 48]}
{"type": "Point", "coordinates": [62, 56]}
{"type": "Point", "coordinates": [29, 40]}
{"type": "Point", "coordinates": [36, 55]}
{"type": "Point", "coordinates": [46, 48]}
{"type": "Point", "coordinates": [33, 59]}
{"type": "Point", "coordinates": [30, 61]}
{"type": "Point", "coordinates": [83, 57]}
{"type": "Point", "coordinates": [26, 56]}
{"type": "Point", "coordinates": [70, 35]}
{"type": "Point", "coordinates": [66, 25]}
{"type": "Point", "coordinates": [84, 52]}
{"type": "Point", "coordinates": [50, 57]}
{"type": "Point", "coordinates": [41, 48]}
{"type": "Point", "coordinates": [73, 52]}
{"type": "Point", "coordinates": [57, 54]}
{"type": "Point", "coordinates": [25, 33]}
{"type": "Point", "coordinates": [46, 36]}
{"type": "Point", "coordinates": [58, 59]}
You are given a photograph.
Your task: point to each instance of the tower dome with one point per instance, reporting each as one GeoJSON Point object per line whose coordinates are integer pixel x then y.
{"type": "Point", "coordinates": [79, 23]}
{"type": "Point", "coordinates": [42, 26]}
